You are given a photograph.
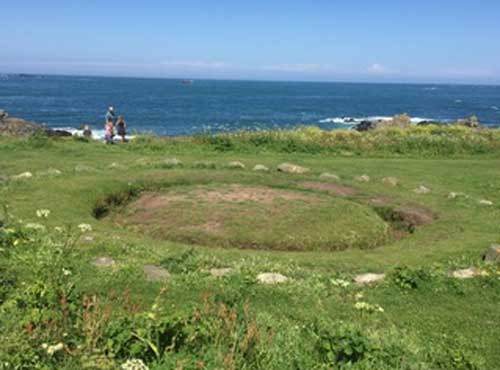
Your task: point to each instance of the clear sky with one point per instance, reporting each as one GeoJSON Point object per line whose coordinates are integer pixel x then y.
{"type": "Point", "coordinates": [318, 40]}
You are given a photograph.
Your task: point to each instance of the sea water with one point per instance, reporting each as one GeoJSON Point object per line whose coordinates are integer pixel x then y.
{"type": "Point", "coordinates": [170, 107]}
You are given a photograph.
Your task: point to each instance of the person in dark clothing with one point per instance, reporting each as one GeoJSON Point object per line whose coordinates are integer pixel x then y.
{"type": "Point", "coordinates": [121, 128]}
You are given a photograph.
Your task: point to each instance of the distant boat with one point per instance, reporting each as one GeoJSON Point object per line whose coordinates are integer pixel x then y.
{"type": "Point", "coordinates": [187, 82]}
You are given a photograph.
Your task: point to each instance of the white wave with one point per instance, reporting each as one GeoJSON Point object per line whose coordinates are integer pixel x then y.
{"type": "Point", "coordinates": [494, 107]}
{"type": "Point", "coordinates": [458, 101]}
{"type": "Point", "coordinates": [96, 134]}
{"type": "Point", "coordinates": [356, 120]}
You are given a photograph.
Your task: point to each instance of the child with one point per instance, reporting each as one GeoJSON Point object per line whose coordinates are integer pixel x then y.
{"type": "Point", "coordinates": [109, 131]}
{"type": "Point", "coordinates": [121, 127]}
{"type": "Point", "coordinates": [87, 132]}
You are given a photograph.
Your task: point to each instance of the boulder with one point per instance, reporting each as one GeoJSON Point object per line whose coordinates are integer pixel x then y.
{"type": "Point", "coordinates": [260, 168]}
{"type": "Point", "coordinates": [392, 181]}
{"type": "Point", "coordinates": [362, 178]}
{"type": "Point", "coordinates": [236, 165]}
{"type": "Point", "coordinates": [11, 126]}
{"type": "Point", "coordinates": [155, 273]}
{"type": "Point", "coordinates": [492, 254]}
{"type": "Point", "coordinates": [369, 278]}
{"type": "Point", "coordinates": [464, 273]}
{"type": "Point", "coordinates": [23, 176]}
{"type": "Point", "coordinates": [365, 126]}
{"type": "Point", "coordinates": [485, 202]}
{"type": "Point", "coordinates": [271, 278]}
{"type": "Point", "coordinates": [84, 168]}
{"type": "Point", "coordinates": [221, 272]}
{"type": "Point", "coordinates": [327, 176]}
{"type": "Point", "coordinates": [103, 261]}
{"type": "Point", "coordinates": [422, 190]}
{"type": "Point", "coordinates": [292, 168]}
{"type": "Point", "coordinates": [455, 195]}
{"type": "Point", "coordinates": [58, 133]}
{"type": "Point", "coordinates": [49, 172]}
{"type": "Point", "coordinates": [471, 122]}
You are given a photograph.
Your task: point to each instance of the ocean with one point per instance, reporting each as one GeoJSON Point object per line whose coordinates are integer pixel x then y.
{"type": "Point", "coordinates": [170, 107]}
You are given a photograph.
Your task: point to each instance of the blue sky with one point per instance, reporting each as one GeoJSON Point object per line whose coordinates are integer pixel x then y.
{"type": "Point", "coordinates": [316, 40]}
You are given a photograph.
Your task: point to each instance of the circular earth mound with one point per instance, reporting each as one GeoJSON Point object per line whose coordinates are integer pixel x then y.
{"type": "Point", "coordinates": [254, 217]}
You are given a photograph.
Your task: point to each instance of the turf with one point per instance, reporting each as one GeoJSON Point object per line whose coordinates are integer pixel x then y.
{"type": "Point", "coordinates": [305, 238]}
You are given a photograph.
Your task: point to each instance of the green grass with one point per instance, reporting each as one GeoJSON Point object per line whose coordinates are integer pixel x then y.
{"type": "Point", "coordinates": [460, 319]}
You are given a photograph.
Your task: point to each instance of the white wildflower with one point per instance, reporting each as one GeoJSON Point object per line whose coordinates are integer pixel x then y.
{"type": "Point", "coordinates": [340, 283]}
{"type": "Point", "coordinates": [66, 272]}
{"type": "Point", "coordinates": [43, 213]}
{"type": "Point", "coordinates": [34, 226]}
{"type": "Point", "coordinates": [134, 364]}
{"type": "Point", "coordinates": [59, 229]}
{"type": "Point", "coordinates": [55, 348]}
{"type": "Point", "coordinates": [85, 228]}
{"type": "Point", "coordinates": [364, 306]}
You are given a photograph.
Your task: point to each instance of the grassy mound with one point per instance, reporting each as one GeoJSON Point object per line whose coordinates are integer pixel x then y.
{"type": "Point", "coordinates": [255, 217]}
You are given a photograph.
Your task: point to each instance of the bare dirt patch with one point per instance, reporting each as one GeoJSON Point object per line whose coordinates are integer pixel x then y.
{"type": "Point", "coordinates": [238, 194]}
{"type": "Point", "coordinates": [334, 189]}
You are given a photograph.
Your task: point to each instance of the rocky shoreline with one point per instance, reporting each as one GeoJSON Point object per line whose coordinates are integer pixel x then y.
{"type": "Point", "coordinates": [18, 127]}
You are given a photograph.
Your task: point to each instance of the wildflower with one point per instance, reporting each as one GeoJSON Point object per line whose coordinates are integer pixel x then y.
{"type": "Point", "coordinates": [16, 242]}
{"type": "Point", "coordinates": [85, 227]}
{"type": "Point", "coordinates": [358, 296]}
{"type": "Point", "coordinates": [59, 229]}
{"type": "Point", "coordinates": [340, 282]}
{"type": "Point", "coordinates": [35, 226]}
{"type": "Point", "coordinates": [43, 213]}
{"type": "Point", "coordinates": [9, 231]}
{"type": "Point", "coordinates": [66, 272]}
{"type": "Point", "coordinates": [134, 364]}
{"type": "Point", "coordinates": [55, 348]}
{"type": "Point", "coordinates": [364, 306]}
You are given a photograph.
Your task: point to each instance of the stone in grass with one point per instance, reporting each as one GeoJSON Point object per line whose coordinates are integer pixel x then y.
{"type": "Point", "coordinates": [204, 165]}
{"type": "Point", "coordinates": [464, 273]}
{"type": "Point", "coordinates": [392, 181]}
{"type": "Point", "coordinates": [328, 176]}
{"type": "Point", "coordinates": [23, 176]}
{"type": "Point", "coordinates": [485, 202]}
{"type": "Point", "coordinates": [171, 163]}
{"type": "Point", "coordinates": [421, 190]}
{"type": "Point", "coordinates": [492, 254]}
{"type": "Point", "coordinates": [49, 172]}
{"type": "Point", "coordinates": [155, 273]}
{"type": "Point", "coordinates": [103, 261]}
{"type": "Point", "coordinates": [84, 168]}
{"type": "Point", "coordinates": [236, 165]}
{"type": "Point", "coordinates": [271, 278]}
{"type": "Point", "coordinates": [3, 179]}
{"type": "Point", "coordinates": [455, 195]}
{"type": "Point", "coordinates": [369, 278]}
{"type": "Point", "coordinates": [221, 272]}
{"type": "Point", "coordinates": [363, 178]}
{"type": "Point", "coordinates": [261, 168]}
{"type": "Point", "coordinates": [116, 166]}
{"type": "Point", "coordinates": [292, 168]}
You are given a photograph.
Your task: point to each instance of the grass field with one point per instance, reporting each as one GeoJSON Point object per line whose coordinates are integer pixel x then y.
{"type": "Point", "coordinates": [196, 213]}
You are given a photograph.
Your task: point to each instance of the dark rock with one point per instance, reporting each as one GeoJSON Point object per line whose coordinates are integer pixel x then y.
{"type": "Point", "coordinates": [58, 133]}
{"type": "Point", "coordinates": [3, 114]}
{"type": "Point", "coordinates": [365, 126]}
